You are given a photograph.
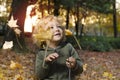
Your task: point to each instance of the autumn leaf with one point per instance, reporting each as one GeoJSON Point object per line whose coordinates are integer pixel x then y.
{"type": "Point", "coordinates": [68, 32]}
{"type": "Point", "coordinates": [1, 76]}
{"type": "Point", "coordinates": [108, 75]}
{"type": "Point", "coordinates": [8, 45]}
{"type": "Point", "coordinates": [17, 31]}
{"type": "Point", "coordinates": [12, 23]}
{"type": "Point", "coordinates": [42, 35]}
{"type": "Point", "coordinates": [15, 65]}
{"type": "Point", "coordinates": [85, 67]}
{"type": "Point", "coordinates": [18, 77]}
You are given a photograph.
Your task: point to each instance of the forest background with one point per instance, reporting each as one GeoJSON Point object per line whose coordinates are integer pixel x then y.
{"type": "Point", "coordinates": [95, 24]}
{"type": "Point", "coordinates": [90, 20]}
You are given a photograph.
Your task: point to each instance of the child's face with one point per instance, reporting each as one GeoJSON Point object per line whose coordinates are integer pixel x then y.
{"type": "Point", "coordinates": [57, 32]}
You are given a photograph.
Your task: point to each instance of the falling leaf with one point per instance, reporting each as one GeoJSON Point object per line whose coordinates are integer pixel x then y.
{"type": "Point", "coordinates": [15, 65]}
{"type": "Point", "coordinates": [68, 32]}
{"type": "Point", "coordinates": [17, 31]}
{"type": "Point", "coordinates": [12, 23]}
{"type": "Point", "coordinates": [42, 35]}
{"type": "Point", "coordinates": [8, 45]}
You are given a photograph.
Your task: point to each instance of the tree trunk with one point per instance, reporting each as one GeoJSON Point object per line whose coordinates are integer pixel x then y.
{"type": "Point", "coordinates": [77, 23]}
{"type": "Point", "coordinates": [56, 7]}
{"type": "Point", "coordinates": [48, 6]}
{"type": "Point", "coordinates": [67, 18]}
{"type": "Point", "coordinates": [114, 19]}
{"type": "Point", "coordinates": [19, 12]}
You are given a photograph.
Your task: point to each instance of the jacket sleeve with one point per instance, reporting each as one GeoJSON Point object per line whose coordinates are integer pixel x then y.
{"type": "Point", "coordinates": [79, 65]}
{"type": "Point", "coordinates": [41, 68]}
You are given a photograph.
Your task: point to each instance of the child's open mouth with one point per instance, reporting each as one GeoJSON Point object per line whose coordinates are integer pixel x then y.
{"type": "Point", "coordinates": [57, 34]}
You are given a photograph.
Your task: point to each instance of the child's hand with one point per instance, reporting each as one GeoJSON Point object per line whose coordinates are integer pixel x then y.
{"type": "Point", "coordinates": [51, 57]}
{"type": "Point", "coordinates": [71, 62]}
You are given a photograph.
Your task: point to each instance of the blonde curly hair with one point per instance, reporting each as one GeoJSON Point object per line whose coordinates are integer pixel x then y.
{"type": "Point", "coordinates": [42, 32]}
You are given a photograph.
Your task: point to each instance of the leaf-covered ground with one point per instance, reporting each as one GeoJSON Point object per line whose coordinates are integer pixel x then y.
{"type": "Point", "coordinates": [97, 65]}
{"type": "Point", "coordinates": [22, 67]}
{"type": "Point", "coordinates": [101, 65]}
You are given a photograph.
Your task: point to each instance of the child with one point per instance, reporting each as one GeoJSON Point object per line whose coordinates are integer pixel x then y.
{"type": "Point", "coordinates": [61, 62]}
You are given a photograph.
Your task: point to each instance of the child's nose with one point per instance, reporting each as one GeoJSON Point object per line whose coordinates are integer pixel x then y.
{"type": "Point", "coordinates": [56, 29]}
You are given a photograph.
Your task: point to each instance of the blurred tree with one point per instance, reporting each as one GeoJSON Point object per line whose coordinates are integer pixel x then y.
{"type": "Point", "coordinates": [114, 19]}
{"type": "Point", "coordinates": [56, 7]}
{"type": "Point", "coordinates": [77, 22]}
{"type": "Point", "coordinates": [18, 12]}
{"type": "Point", "coordinates": [68, 5]}
{"type": "Point", "coordinates": [102, 6]}
{"type": "Point", "coordinates": [99, 5]}
{"type": "Point", "coordinates": [79, 8]}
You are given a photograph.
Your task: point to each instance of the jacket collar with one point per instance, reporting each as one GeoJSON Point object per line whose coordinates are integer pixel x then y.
{"type": "Point", "coordinates": [62, 44]}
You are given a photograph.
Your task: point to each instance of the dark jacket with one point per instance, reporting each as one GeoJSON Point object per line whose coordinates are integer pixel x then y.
{"type": "Point", "coordinates": [57, 70]}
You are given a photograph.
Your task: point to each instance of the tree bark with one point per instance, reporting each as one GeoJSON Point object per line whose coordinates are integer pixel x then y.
{"type": "Point", "coordinates": [77, 23]}
{"type": "Point", "coordinates": [67, 18]}
{"type": "Point", "coordinates": [19, 12]}
{"type": "Point", "coordinates": [56, 8]}
{"type": "Point", "coordinates": [114, 19]}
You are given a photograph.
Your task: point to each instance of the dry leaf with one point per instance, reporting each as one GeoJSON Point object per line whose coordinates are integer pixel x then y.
{"type": "Point", "coordinates": [18, 77]}
{"type": "Point", "coordinates": [85, 67]}
{"type": "Point", "coordinates": [17, 31]}
{"type": "Point", "coordinates": [15, 65]}
{"type": "Point", "coordinates": [108, 75]}
{"type": "Point", "coordinates": [41, 35]}
{"type": "Point", "coordinates": [8, 45]}
{"type": "Point", "coordinates": [68, 32]}
{"type": "Point", "coordinates": [1, 76]}
{"type": "Point", "coordinates": [12, 23]}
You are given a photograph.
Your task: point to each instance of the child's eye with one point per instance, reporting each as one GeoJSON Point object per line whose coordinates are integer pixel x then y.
{"type": "Point", "coordinates": [51, 27]}
{"type": "Point", "coordinates": [58, 26]}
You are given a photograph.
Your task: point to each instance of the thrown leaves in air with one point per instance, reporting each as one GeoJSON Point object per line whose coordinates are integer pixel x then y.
{"type": "Point", "coordinates": [43, 35]}
{"type": "Point", "coordinates": [42, 31]}
{"type": "Point", "coordinates": [12, 22]}
{"type": "Point", "coordinates": [17, 31]}
{"type": "Point", "coordinates": [68, 32]}
{"type": "Point", "coordinates": [8, 45]}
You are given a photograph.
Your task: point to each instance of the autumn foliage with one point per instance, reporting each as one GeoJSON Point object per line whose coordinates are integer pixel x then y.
{"type": "Point", "coordinates": [97, 65]}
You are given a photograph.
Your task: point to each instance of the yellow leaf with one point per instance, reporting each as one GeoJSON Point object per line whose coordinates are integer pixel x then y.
{"type": "Point", "coordinates": [105, 74]}
{"type": "Point", "coordinates": [18, 77]}
{"type": "Point", "coordinates": [15, 65]}
{"type": "Point", "coordinates": [43, 35]}
{"type": "Point", "coordinates": [17, 31]}
{"type": "Point", "coordinates": [109, 75]}
{"type": "Point", "coordinates": [1, 76]}
{"type": "Point", "coordinates": [85, 67]}
{"type": "Point", "coordinates": [68, 32]}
